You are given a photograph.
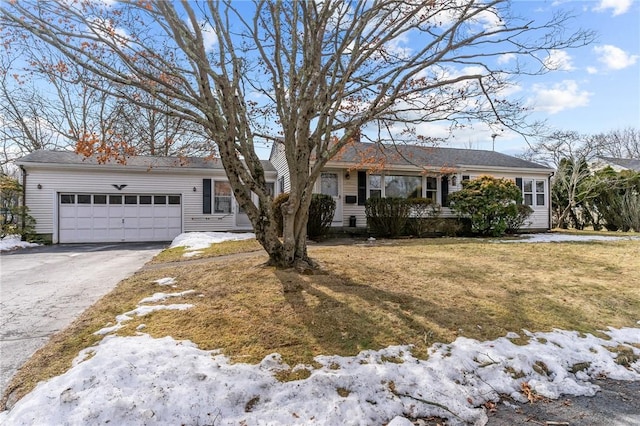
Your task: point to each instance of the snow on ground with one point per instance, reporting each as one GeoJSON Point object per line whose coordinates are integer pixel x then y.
{"type": "Point", "coordinates": [146, 381]}
{"type": "Point", "coordinates": [201, 240]}
{"type": "Point", "coordinates": [141, 380]}
{"type": "Point", "coordinates": [12, 242]}
{"type": "Point", "coordinates": [562, 238]}
{"type": "Point", "coordinates": [166, 281]}
{"type": "Point", "coordinates": [142, 310]}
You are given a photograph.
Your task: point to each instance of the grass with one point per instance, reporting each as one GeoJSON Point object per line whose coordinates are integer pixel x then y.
{"type": "Point", "coordinates": [176, 254]}
{"type": "Point", "coordinates": [368, 296]}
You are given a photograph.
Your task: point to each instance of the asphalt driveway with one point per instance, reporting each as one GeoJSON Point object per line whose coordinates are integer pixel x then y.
{"type": "Point", "coordinates": [43, 289]}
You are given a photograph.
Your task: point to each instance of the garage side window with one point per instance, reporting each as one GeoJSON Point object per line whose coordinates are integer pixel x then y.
{"type": "Point", "coordinates": [221, 197]}
{"type": "Point", "coordinates": [67, 198]}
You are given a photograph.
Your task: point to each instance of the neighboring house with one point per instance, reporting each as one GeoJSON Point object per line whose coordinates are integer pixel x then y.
{"type": "Point", "coordinates": [74, 199]}
{"type": "Point", "coordinates": [366, 170]}
{"type": "Point", "coordinates": [617, 164]}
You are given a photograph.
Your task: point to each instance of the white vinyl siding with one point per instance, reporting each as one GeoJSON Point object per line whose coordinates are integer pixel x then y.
{"type": "Point", "coordinates": [279, 162]}
{"type": "Point", "coordinates": [539, 219]}
{"type": "Point", "coordinates": [44, 205]}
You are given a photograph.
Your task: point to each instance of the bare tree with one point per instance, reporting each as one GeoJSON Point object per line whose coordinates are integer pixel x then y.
{"type": "Point", "coordinates": [157, 132]}
{"type": "Point", "coordinates": [46, 104]}
{"type": "Point", "coordinates": [620, 143]}
{"type": "Point", "coordinates": [25, 124]}
{"type": "Point", "coordinates": [570, 154]}
{"type": "Point", "coordinates": [308, 74]}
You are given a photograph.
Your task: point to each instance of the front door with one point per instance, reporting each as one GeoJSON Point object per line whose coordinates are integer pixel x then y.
{"type": "Point", "coordinates": [330, 185]}
{"type": "Point", "coordinates": [242, 220]}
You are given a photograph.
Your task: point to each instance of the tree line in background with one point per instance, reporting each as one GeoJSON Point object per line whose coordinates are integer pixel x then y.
{"type": "Point", "coordinates": [586, 192]}
{"type": "Point", "coordinates": [49, 104]}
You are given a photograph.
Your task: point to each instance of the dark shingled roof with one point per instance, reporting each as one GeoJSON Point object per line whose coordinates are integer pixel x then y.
{"type": "Point", "coordinates": [627, 163]}
{"type": "Point", "coordinates": [69, 157]}
{"type": "Point", "coordinates": [423, 156]}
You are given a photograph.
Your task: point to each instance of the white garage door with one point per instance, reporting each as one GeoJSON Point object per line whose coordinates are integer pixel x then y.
{"type": "Point", "coordinates": [118, 217]}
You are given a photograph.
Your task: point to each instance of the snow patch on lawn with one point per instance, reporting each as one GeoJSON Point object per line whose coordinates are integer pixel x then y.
{"type": "Point", "coordinates": [142, 380]}
{"type": "Point", "coordinates": [201, 240]}
{"type": "Point", "coordinates": [562, 238]}
{"type": "Point", "coordinates": [161, 297]}
{"type": "Point", "coordinates": [142, 310]}
{"type": "Point", "coordinates": [166, 281]}
{"type": "Point", "coordinates": [13, 242]}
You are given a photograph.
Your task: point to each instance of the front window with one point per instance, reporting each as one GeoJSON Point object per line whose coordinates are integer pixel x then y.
{"type": "Point", "coordinates": [540, 195]}
{"type": "Point", "coordinates": [432, 189]}
{"type": "Point", "coordinates": [375, 186]}
{"type": "Point", "coordinates": [403, 186]}
{"type": "Point", "coordinates": [533, 192]}
{"type": "Point", "coordinates": [400, 186]}
{"type": "Point", "coordinates": [281, 184]}
{"type": "Point", "coordinates": [222, 197]}
{"type": "Point", "coordinates": [270, 188]}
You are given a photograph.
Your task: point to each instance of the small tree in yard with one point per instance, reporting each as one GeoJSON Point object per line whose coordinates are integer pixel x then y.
{"type": "Point", "coordinates": [490, 203]}
{"type": "Point", "coordinates": [14, 218]}
{"type": "Point", "coordinates": [306, 74]}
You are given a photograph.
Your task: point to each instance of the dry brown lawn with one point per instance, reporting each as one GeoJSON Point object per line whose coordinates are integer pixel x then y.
{"type": "Point", "coordinates": [369, 296]}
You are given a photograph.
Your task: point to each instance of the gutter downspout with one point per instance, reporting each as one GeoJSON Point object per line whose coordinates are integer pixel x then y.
{"type": "Point", "coordinates": [550, 206]}
{"type": "Point", "coordinates": [23, 211]}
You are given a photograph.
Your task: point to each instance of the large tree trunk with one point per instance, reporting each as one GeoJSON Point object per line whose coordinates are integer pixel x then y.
{"type": "Point", "coordinates": [293, 250]}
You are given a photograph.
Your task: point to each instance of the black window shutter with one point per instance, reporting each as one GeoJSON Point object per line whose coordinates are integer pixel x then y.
{"type": "Point", "coordinates": [362, 188]}
{"type": "Point", "coordinates": [444, 191]}
{"type": "Point", "coordinates": [519, 185]}
{"type": "Point", "coordinates": [206, 196]}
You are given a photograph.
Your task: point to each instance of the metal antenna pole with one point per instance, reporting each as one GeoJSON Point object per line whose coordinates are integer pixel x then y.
{"type": "Point", "coordinates": [493, 141]}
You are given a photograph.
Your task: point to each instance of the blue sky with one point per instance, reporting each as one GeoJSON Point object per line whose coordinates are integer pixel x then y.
{"type": "Point", "coordinates": [596, 89]}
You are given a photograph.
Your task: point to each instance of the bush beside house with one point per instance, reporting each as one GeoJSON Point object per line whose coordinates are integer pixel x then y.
{"type": "Point", "coordinates": [492, 205]}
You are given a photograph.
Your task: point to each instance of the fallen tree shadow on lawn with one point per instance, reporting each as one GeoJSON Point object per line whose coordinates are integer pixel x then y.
{"type": "Point", "coordinates": [345, 317]}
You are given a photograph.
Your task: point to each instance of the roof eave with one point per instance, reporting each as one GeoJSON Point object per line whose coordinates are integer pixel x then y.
{"type": "Point", "coordinates": [458, 167]}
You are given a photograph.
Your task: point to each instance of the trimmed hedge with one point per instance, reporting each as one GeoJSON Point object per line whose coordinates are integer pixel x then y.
{"type": "Point", "coordinates": [387, 217]}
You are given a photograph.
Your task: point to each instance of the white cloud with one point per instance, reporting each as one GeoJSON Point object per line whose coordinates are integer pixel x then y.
{"type": "Point", "coordinates": [592, 70]}
{"type": "Point", "coordinates": [619, 6]}
{"type": "Point", "coordinates": [506, 58]}
{"type": "Point", "coordinates": [559, 60]}
{"type": "Point", "coordinates": [209, 36]}
{"type": "Point", "coordinates": [559, 97]}
{"type": "Point", "coordinates": [614, 57]}
{"type": "Point", "coordinates": [104, 29]}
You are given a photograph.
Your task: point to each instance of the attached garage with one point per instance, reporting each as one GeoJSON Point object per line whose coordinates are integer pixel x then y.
{"type": "Point", "coordinates": [118, 217]}
{"type": "Point", "coordinates": [77, 199]}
